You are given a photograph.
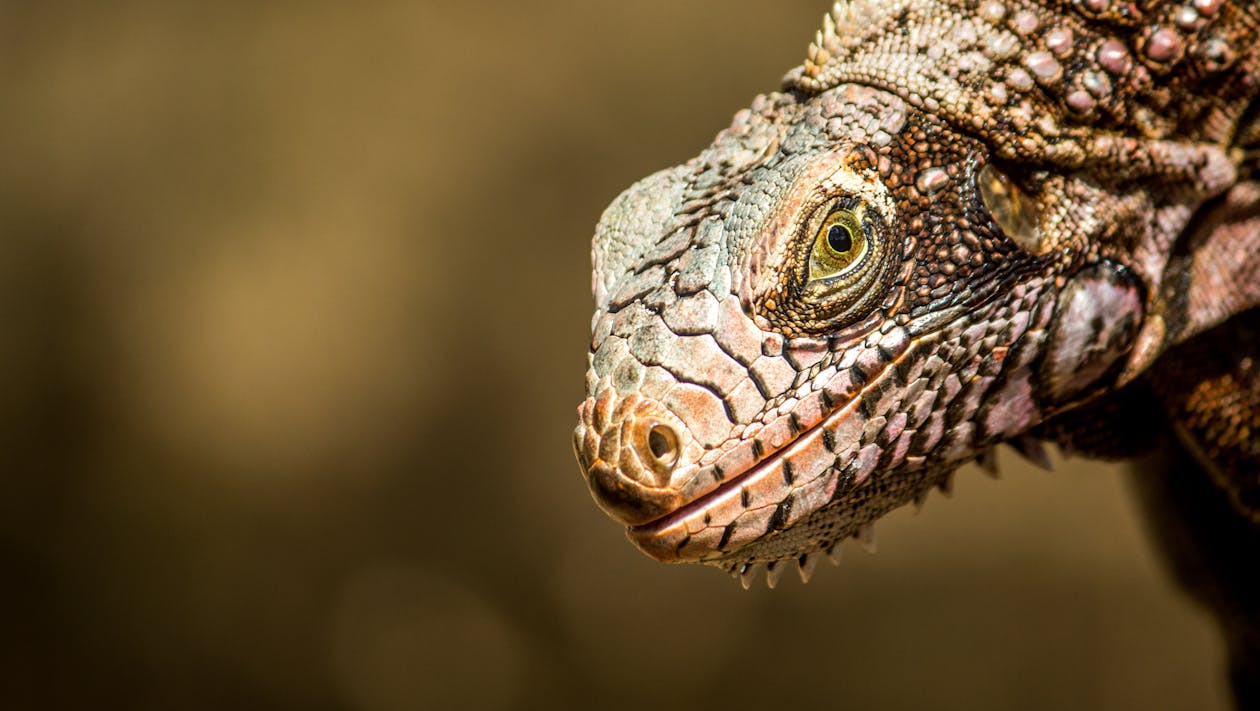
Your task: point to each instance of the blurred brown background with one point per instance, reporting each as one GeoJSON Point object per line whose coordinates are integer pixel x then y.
{"type": "Point", "coordinates": [295, 302]}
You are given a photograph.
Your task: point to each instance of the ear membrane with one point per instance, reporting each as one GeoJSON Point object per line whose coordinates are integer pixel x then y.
{"type": "Point", "coordinates": [1095, 323]}
{"type": "Point", "coordinates": [1012, 209]}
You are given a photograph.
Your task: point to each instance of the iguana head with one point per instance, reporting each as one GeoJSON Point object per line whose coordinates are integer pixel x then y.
{"type": "Point", "coordinates": [922, 247]}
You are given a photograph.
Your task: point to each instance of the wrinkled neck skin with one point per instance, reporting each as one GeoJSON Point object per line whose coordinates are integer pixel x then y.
{"type": "Point", "coordinates": [747, 405]}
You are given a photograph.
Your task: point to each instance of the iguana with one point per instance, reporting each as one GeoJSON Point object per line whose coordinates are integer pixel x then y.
{"type": "Point", "coordinates": [959, 223]}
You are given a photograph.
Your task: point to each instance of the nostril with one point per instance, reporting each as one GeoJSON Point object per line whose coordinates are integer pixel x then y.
{"type": "Point", "coordinates": [663, 444]}
{"type": "Point", "coordinates": [632, 455]}
{"type": "Point", "coordinates": [663, 452]}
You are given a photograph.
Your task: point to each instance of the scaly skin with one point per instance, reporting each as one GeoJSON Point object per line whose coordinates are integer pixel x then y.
{"type": "Point", "coordinates": [1037, 201]}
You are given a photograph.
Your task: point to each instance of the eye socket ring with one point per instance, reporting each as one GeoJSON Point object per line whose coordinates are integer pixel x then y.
{"type": "Point", "coordinates": [844, 264]}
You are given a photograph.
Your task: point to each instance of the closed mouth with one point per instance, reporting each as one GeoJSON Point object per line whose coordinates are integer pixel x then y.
{"type": "Point", "coordinates": [645, 530]}
{"type": "Point", "coordinates": [656, 525]}
{"type": "Point", "coordinates": [733, 484]}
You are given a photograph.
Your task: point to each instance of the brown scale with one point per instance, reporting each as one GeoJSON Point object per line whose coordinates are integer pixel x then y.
{"type": "Point", "coordinates": [1206, 390]}
{"type": "Point", "coordinates": [1211, 389]}
{"type": "Point", "coordinates": [1164, 76]}
{"type": "Point", "coordinates": [1175, 75]}
{"type": "Point", "coordinates": [935, 241]}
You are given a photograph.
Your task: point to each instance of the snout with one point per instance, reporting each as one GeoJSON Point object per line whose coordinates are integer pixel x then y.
{"type": "Point", "coordinates": [630, 449]}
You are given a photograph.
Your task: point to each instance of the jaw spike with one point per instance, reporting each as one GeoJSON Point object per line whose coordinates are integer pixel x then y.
{"type": "Point", "coordinates": [774, 571]}
{"type": "Point", "coordinates": [747, 572]}
{"type": "Point", "coordinates": [805, 565]}
{"type": "Point", "coordinates": [920, 498]}
{"type": "Point", "coordinates": [988, 462]}
{"type": "Point", "coordinates": [833, 553]}
{"type": "Point", "coordinates": [866, 537]}
{"type": "Point", "coordinates": [946, 484]}
{"type": "Point", "coordinates": [1034, 451]}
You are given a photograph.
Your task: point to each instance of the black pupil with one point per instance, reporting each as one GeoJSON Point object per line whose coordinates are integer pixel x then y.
{"type": "Point", "coordinates": [839, 239]}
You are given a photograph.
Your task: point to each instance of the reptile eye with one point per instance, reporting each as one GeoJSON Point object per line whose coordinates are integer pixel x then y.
{"type": "Point", "coordinates": [1012, 210]}
{"type": "Point", "coordinates": [842, 267]}
{"type": "Point", "coordinates": [839, 244]}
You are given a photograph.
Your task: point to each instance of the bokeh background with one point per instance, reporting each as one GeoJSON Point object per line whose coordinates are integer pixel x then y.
{"type": "Point", "coordinates": [295, 301]}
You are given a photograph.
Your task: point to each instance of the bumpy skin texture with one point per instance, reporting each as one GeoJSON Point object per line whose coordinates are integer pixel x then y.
{"type": "Point", "coordinates": [1039, 200]}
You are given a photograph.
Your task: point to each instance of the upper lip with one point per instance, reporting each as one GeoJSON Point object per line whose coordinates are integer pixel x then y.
{"type": "Point", "coordinates": [698, 503]}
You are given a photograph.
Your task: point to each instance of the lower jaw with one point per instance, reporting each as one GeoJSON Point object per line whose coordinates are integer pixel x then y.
{"type": "Point", "coordinates": [817, 532]}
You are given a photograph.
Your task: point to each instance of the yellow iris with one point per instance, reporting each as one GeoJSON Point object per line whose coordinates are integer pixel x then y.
{"type": "Point", "coordinates": [839, 244]}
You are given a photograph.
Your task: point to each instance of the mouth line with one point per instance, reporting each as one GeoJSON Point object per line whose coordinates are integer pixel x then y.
{"type": "Point", "coordinates": [682, 512]}
{"type": "Point", "coordinates": [778, 455]}
{"type": "Point", "coordinates": [658, 524]}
